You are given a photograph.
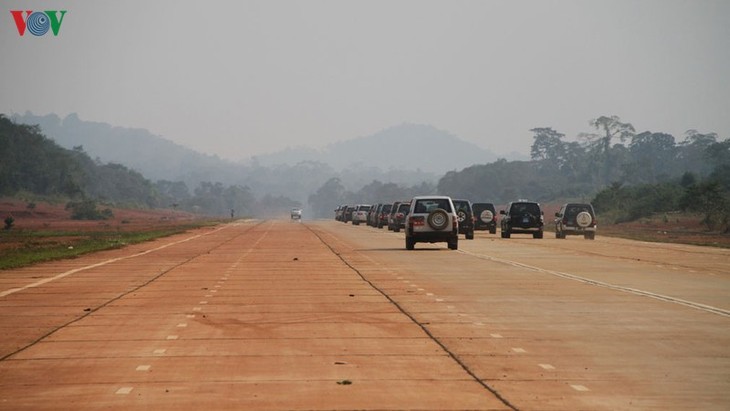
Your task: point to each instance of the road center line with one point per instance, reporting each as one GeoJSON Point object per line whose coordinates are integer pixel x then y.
{"type": "Point", "coordinates": [665, 298]}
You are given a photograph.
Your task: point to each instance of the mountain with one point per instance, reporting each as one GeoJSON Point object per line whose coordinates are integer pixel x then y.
{"type": "Point", "coordinates": [403, 147]}
{"type": "Point", "coordinates": [407, 154]}
{"type": "Point", "coordinates": [155, 157]}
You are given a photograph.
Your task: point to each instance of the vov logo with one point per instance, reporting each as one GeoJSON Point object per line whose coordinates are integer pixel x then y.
{"type": "Point", "coordinates": [38, 23]}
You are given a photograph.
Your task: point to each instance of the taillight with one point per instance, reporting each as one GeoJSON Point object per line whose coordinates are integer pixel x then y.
{"type": "Point", "coordinates": [416, 221]}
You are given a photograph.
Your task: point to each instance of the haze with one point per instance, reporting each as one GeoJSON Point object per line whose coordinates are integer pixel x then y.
{"type": "Point", "coordinates": [241, 78]}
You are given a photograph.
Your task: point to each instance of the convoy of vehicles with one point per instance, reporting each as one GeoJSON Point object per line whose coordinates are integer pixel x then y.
{"type": "Point", "coordinates": [433, 219]}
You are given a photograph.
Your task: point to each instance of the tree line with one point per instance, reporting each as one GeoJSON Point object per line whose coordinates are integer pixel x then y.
{"type": "Point", "coordinates": [32, 163]}
{"type": "Point", "coordinates": [626, 174]}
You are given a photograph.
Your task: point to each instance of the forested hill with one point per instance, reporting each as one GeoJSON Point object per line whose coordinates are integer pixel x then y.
{"type": "Point", "coordinates": [35, 164]}
{"type": "Point", "coordinates": [157, 158]}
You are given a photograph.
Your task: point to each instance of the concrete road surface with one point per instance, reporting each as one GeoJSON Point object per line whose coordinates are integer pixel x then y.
{"type": "Point", "coordinates": [280, 315]}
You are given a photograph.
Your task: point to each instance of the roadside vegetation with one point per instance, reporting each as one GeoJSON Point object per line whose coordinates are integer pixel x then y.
{"type": "Point", "coordinates": [22, 247]}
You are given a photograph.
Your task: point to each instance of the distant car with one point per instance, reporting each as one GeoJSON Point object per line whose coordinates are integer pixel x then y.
{"type": "Point", "coordinates": [373, 215]}
{"type": "Point", "coordinates": [432, 219]}
{"type": "Point", "coordinates": [340, 211]}
{"type": "Point", "coordinates": [576, 219]}
{"type": "Point", "coordinates": [360, 214]}
{"type": "Point", "coordinates": [383, 215]}
{"type": "Point", "coordinates": [485, 217]}
{"type": "Point", "coordinates": [522, 217]}
{"type": "Point", "coordinates": [465, 215]}
{"type": "Point", "coordinates": [347, 214]}
{"type": "Point", "coordinates": [397, 219]}
{"type": "Point", "coordinates": [296, 213]}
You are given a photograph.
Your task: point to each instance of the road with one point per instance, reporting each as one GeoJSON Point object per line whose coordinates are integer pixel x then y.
{"type": "Point", "coordinates": [321, 315]}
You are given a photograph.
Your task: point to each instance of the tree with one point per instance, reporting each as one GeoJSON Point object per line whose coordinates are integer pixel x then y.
{"type": "Point", "coordinates": [327, 198]}
{"type": "Point", "coordinates": [612, 129]}
{"type": "Point", "coordinates": [654, 155]}
{"type": "Point", "coordinates": [548, 145]}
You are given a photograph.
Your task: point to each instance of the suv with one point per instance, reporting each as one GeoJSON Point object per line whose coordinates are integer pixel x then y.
{"type": "Point", "coordinates": [296, 213]}
{"type": "Point", "coordinates": [576, 219]}
{"type": "Point", "coordinates": [432, 219]}
{"type": "Point", "coordinates": [397, 218]}
{"type": "Point", "coordinates": [373, 215]}
{"type": "Point", "coordinates": [360, 214]}
{"type": "Point", "coordinates": [466, 218]}
{"type": "Point", "coordinates": [522, 217]}
{"type": "Point", "coordinates": [383, 216]}
{"type": "Point", "coordinates": [485, 217]}
{"type": "Point", "coordinates": [347, 214]}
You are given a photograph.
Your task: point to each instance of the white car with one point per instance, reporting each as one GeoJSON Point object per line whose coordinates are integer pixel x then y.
{"type": "Point", "coordinates": [432, 219]}
{"type": "Point", "coordinates": [360, 214]}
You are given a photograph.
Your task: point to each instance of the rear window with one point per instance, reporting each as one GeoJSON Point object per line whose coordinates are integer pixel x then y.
{"type": "Point", "coordinates": [522, 208]}
{"type": "Point", "coordinates": [479, 207]}
{"type": "Point", "coordinates": [428, 205]}
{"type": "Point", "coordinates": [386, 208]}
{"type": "Point", "coordinates": [403, 208]}
{"type": "Point", "coordinates": [364, 208]}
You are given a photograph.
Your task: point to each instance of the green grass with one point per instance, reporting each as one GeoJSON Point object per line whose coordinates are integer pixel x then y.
{"type": "Point", "coordinates": [31, 247]}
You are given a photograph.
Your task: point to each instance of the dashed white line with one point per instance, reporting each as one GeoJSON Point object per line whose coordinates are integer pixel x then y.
{"type": "Point", "coordinates": [171, 337]}
{"type": "Point", "coordinates": [124, 390]}
{"type": "Point", "coordinates": [579, 387]}
{"type": "Point", "coordinates": [143, 368]}
{"type": "Point", "coordinates": [546, 366]}
{"type": "Point", "coordinates": [519, 350]}
{"type": "Point", "coordinates": [496, 335]}
{"type": "Point", "coordinates": [159, 351]}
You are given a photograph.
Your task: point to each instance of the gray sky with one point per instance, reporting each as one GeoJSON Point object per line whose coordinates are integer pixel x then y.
{"type": "Point", "coordinates": [240, 78]}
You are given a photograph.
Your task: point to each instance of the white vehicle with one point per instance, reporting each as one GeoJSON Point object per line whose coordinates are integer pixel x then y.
{"type": "Point", "coordinates": [360, 214]}
{"type": "Point", "coordinates": [296, 213]}
{"type": "Point", "coordinates": [432, 219]}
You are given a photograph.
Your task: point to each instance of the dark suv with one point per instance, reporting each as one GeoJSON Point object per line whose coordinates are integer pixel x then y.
{"type": "Point", "coordinates": [576, 219]}
{"type": "Point", "coordinates": [485, 217]}
{"type": "Point", "coordinates": [522, 217]}
{"type": "Point", "coordinates": [465, 215]}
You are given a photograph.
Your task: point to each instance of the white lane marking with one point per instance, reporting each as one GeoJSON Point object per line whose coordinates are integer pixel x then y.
{"type": "Point", "coordinates": [190, 316]}
{"type": "Point", "coordinates": [112, 260]}
{"type": "Point", "coordinates": [421, 289]}
{"type": "Point", "coordinates": [213, 291]}
{"type": "Point", "coordinates": [159, 351]}
{"type": "Point", "coordinates": [450, 307]}
{"type": "Point", "coordinates": [546, 366]}
{"type": "Point", "coordinates": [143, 367]}
{"type": "Point", "coordinates": [124, 390]}
{"type": "Point", "coordinates": [496, 335]}
{"type": "Point", "coordinates": [203, 302]}
{"type": "Point", "coordinates": [217, 286]}
{"type": "Point", "coordinates": [440, 300]}
{"type": "Point", "coordinates": [665, 298]}
{"type": "Point", "coordinates": [197, 308]}
{"type": "Point", "coordinates": [208, 296]}
{"type": "Point", "coordinates": [519, 350]}
{"type": "Point", "coordinates": [579, 387]}
{"type": "Point", "coordinates": [429, 294]}
{"type": "Point", "coordinates": [479, 323]}
{"type": "Point", "coordinates": [171, 337]}
{"type": "Point", "coordinates": [182, 325]}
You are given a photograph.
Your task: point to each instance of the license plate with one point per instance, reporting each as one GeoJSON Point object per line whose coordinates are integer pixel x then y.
{"type": "Point", "coordinates": [526, 220]}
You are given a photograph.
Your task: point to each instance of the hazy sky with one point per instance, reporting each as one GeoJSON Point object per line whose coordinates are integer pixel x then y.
{"type": "Point", "coordinates": [240, 78]}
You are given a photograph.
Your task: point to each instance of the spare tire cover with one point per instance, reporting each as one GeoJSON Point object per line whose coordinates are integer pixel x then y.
{"type": "Point", "coordinates": [438, 219]}
{"type": "Point", "coordinates": [486, 216]}
{"type": "Point", "coordinates": [583, 219]}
